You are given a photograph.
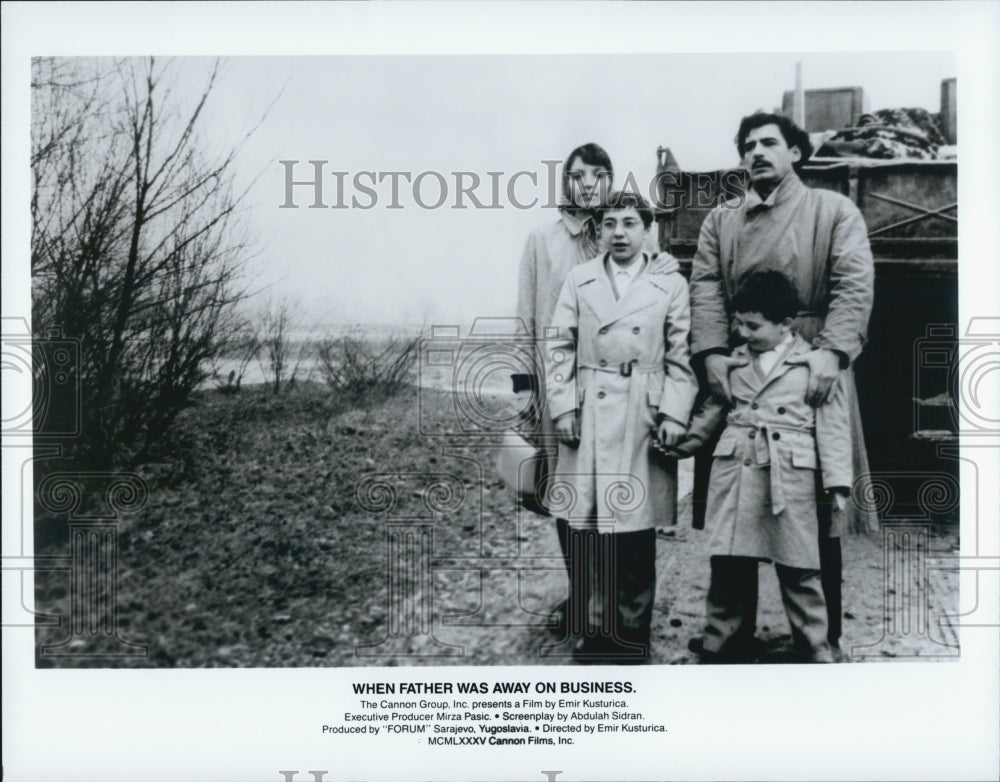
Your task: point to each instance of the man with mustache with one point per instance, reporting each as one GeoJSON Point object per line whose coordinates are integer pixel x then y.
{"type": "Point", "coordinates": [818, 239]}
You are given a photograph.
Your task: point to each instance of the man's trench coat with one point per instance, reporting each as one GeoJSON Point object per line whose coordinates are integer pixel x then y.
{"type": "Point", "coordinates": [818, 239]}
{"type": "Point", "coordinates": [619, 362]}
{"type": "Point", "coordinates": [762, 493]}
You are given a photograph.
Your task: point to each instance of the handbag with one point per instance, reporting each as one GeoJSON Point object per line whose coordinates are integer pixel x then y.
{"type": "Point", "coordinates": [523, 468]}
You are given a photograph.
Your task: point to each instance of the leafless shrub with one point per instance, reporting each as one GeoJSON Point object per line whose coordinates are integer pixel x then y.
{"type": "Point", "coordinates": [137, 246]}
{"type": "Point", "coordinates": [276, 323]}
{"type": "Point", "coordinates": [280, 357]}
{"type": "Point", "coordinates": [366, 370]}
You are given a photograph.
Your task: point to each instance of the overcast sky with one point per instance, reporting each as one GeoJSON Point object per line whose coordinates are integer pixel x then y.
{"type": "Point", "coordinates": [483, 114]}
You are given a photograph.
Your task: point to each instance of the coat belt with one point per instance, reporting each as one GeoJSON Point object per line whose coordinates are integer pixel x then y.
{"type": "Point", "coordinates": [762, 448]}
{"type": "Point", "coordinates": [633, 370]}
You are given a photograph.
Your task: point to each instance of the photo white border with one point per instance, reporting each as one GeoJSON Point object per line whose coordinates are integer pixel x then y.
{"type": "Point", "coordinates": [899, 721]}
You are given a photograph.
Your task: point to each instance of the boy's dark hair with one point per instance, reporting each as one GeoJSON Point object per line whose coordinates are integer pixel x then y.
{"type": "Point", "coordinates": [770, 293]}
{"type": "Point", "coordinates": [794, 135]}
{"type": "Point", "coordinates": [591, 154]}
{"type": "Point", "coordinates": [624, 199]}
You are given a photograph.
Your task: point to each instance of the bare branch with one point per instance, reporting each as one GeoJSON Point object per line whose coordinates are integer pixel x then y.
{"type": "Point", "coordinates": [138, 244]}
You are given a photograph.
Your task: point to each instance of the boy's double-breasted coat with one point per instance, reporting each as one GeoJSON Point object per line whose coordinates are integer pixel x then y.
{"type": "Point", "coordinates": [549, 254]}
{"type": "Point", "coordinates": [619, 363]}
{"type": "Point", "coordinates": [762, 492]}
{"type": "Point", "coordinates": [816, 238]}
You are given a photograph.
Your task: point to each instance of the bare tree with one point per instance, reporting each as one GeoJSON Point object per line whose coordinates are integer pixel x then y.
{"type": "Point", "coordinates": [277, 321]}
{"type": "Point", "coordinates": [242, 345]}
{"type": "Point", "coordinates": [136, 246]}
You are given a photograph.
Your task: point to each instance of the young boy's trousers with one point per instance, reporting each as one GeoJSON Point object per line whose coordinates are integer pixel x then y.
{"type": "Point", "coordinates": [733, 592]}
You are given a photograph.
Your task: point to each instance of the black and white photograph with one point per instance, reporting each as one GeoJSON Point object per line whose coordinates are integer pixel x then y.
{"type": "Point", "coordinates": [423, 401]}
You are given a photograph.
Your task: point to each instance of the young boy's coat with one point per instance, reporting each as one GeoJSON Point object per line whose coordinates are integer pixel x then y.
{"type": "Point", "coordinates": [762, 492]}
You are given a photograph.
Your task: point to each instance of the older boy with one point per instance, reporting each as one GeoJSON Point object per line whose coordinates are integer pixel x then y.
{"type": "Point", "coordinates": [770, 455]}
{"type": "Point", "coordinates": [550, 252]}
{"type": "Point", "coordinates": [618, 369]}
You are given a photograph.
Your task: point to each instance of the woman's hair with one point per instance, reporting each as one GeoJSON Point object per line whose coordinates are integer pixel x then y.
{"type": "Point", "coordinates": [591, 154]}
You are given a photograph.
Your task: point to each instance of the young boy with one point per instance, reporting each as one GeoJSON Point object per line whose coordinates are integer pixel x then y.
{"type": "Point", "coordinates": [617, 375]}
{"type": "Point", "coordinates": [762, 490]}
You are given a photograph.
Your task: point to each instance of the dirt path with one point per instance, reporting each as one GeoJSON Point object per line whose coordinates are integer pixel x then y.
{"type": "Point", "coordinates": [891, 609]}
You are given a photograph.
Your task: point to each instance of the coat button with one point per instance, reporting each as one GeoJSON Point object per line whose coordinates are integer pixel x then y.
{"type": "Point", "coordinates": [754, 406]}
{"type": "Point", "coordinates": [603, 362]}
{"type": "Point", "coordinates": [602, 330]}
{"type": "Point", "coordinates": [781, 411]}
{"type": "Point", "coordinates": [776, 436]}
{"type": "Point", "coordinates": [746, 462]}
{"type": "Point", "coordinates": [635, 329]}
{"type": "Point", "coordinates": [601, 395]}
{"type": "Point", "coordinates": [753, 434]}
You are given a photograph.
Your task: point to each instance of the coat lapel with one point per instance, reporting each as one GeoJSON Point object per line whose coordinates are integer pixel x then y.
{"type": "Point", "coordinates": [748, 374]}
{"type": "Point", "coordinates": [797, 348]}
{"type": "Point", "coordinates": [595, 289]}
{"type": "Point", "coordinates": [642, 293]}
{"type": "Point", "coordinates": [633, 299]}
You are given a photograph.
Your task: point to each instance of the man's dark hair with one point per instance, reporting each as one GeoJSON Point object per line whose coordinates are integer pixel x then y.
{"type": "Point", "coordinates": [624, 199]}
{"type": "Point", "coordinates": [591, 154]}
{"type": "Point", "coordinates": [770, 293]}
{"type": "Point", "coordinates": [794, 135]}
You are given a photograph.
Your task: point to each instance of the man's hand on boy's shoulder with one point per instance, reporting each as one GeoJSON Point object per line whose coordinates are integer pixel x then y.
{"type": "Point", "coordinates": [664, 263]}
{"type": "Point", "coordinates": [824, 368]}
